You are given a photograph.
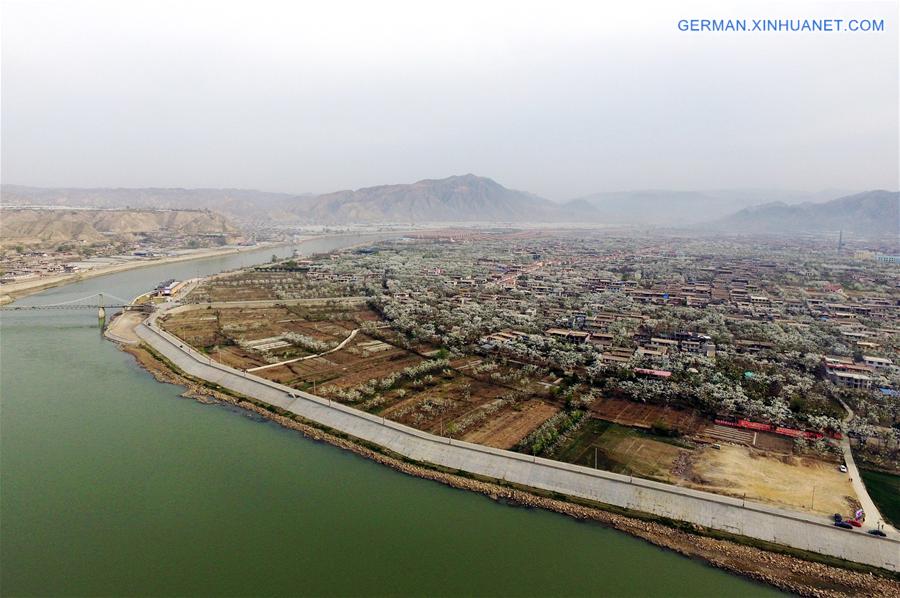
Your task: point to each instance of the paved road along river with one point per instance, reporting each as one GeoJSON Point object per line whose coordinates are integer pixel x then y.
{"type": "Point", "coordinates": [112, 484]}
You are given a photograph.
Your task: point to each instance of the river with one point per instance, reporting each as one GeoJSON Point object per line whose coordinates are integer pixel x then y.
{"type": "Point", "coordinates": [112, 484]}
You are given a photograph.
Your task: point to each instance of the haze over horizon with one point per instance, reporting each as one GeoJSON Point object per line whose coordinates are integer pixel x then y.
{"type": "Point", "coordinates": [562, 101]}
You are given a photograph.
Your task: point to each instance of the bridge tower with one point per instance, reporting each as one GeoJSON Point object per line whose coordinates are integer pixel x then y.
{"type": "Point", "coordinates": [101, 311]}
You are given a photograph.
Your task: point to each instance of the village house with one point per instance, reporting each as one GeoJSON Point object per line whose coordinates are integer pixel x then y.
{"type": "Point", "coordinates": [572, 336]}
{"type": "Point", "coordinates": [879, 363]}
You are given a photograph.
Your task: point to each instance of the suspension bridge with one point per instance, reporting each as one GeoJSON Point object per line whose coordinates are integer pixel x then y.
{"type": "Point", "coordinates": [96, 301]}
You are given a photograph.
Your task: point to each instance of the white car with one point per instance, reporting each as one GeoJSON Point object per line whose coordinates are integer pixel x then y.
{"type": "Point", "coordinates": [843, 468]}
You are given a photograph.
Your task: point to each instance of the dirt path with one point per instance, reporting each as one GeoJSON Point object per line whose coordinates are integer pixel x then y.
{"type": "Point", "coordinates": [873, 516]}
{"type": "Point", "coordinates": [343, 344]}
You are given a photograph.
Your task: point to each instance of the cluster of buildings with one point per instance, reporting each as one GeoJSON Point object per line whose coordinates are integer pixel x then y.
{"type": "Point", "coordinates": [35, 264]}
{"type": "Point", "coordinates": [609, 294]}
{"type": "Point", "coordinates": [849, 373]}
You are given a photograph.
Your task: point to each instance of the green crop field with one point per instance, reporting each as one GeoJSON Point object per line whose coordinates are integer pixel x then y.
{"type": "Point", "coordinates": [884, 488]}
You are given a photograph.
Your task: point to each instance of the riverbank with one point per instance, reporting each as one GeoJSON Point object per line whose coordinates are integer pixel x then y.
{"type": "Point", "coordinates": [780, 570]}
{"type": "Point", "coordinates": [14, 291]}
{"type": "Point", "coordinates": [121, 328]}
{"type": "Point", "coordinates": [791, 532]}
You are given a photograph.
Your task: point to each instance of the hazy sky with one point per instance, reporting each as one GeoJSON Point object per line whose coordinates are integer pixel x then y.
{"type": "Point", "coordinates": [558, 98]}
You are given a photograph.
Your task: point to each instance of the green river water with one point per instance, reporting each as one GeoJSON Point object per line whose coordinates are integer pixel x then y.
{"type": "Point", "coordinates": [114, 485]}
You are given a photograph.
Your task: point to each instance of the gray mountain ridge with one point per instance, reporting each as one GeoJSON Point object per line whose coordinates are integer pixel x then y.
{"type": "Point", "coordinates": [471, 198]}
{"type": "Point", "coordinates": [871, 213]}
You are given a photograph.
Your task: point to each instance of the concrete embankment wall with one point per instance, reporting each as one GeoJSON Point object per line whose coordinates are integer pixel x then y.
{"type": "Point", "coordinates": [745, 518]}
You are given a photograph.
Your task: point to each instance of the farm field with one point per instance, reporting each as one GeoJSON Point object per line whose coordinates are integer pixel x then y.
{"type": "Point", "coordinates": [298, 346]}
{"type": "Point", "coordinates": [645, 415]}
{"type": "Point", "coordinates": [762, 440]}
{"type": "Point", "coordinates": [628, 451]}
{"type": "Point", "coordinates": [884, 488]}
{"type": "Point", "coordinates": [256, 285]}
{"type": "Point", "coordinates": [252, 337]}
{"type": "Point", "coordinates": [508, 427]}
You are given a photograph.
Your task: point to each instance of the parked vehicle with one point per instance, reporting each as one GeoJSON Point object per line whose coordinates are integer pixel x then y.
{"type": "Point", "coordinates": [854, 522]}
{"type": "Point", "coordinates": [877, 532]}
{"type": "Point", "coordinates": [843, 524]}
{"type": "Point", "coordinates": [843, 468]}
{"type": "Point", "coordinates": [837, 517]}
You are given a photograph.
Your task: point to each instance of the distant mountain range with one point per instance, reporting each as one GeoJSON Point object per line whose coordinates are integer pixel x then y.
{"type": "Point", "coordinates": [872, 213]}
{"type": "Point", "coordinates": [470, 198]}
{"type": "Point", "coordinates": [49, 227]}
{"type": "Point", "coordinates": [463, 198]}
{"type": "Point", "coordinates": [245, 205]}
{"type": "Point", "coordinates": [679, 208]}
